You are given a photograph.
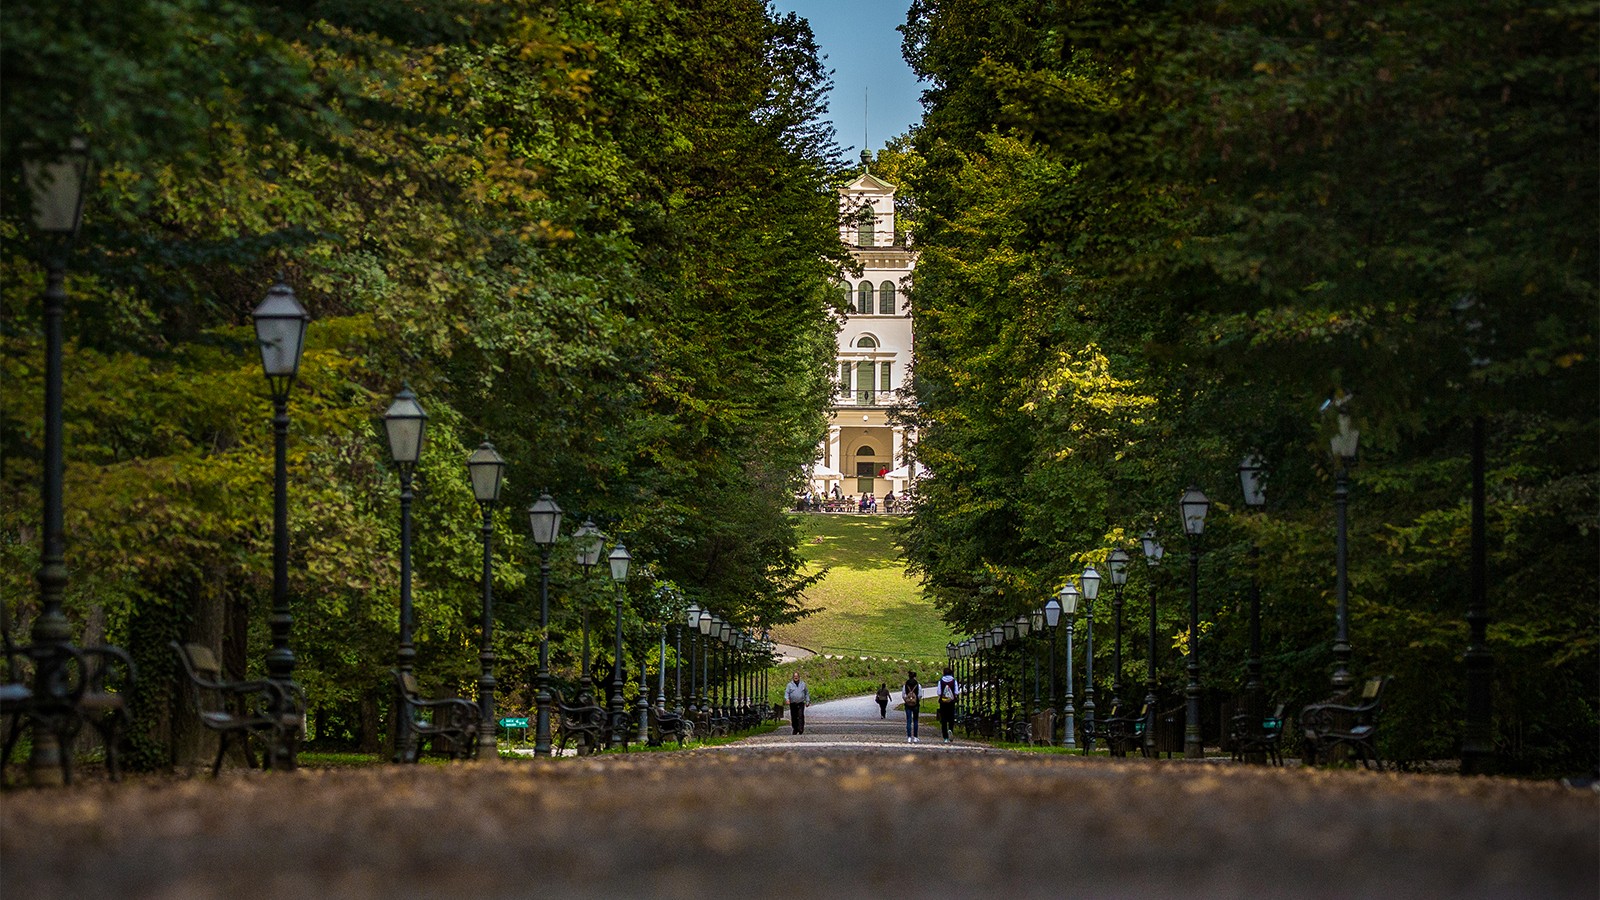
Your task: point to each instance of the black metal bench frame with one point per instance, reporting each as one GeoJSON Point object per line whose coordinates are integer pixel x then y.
{"type": "Point", "coordinates": [455, 721]}
{"type": "Point", "coordinates": [266, 710]}
{"type": "Point", "coordinates": [583, 722]}
{"type": "Point", "coordinates": [1261, 739]}
{"type": "Point", "coordinates": [1337, 725]}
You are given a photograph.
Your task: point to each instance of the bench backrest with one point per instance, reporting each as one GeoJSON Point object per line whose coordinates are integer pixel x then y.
{"type": "Point", "coordinates": [408, 683]}
{"type": "Point", "coordinates": [205, 674]}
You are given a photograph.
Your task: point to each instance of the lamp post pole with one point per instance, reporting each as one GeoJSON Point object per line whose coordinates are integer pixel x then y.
{"type": "Point", "coordinates": [1118, 561]}
{"type": "Point", "coordinates": [486, 467]}
{"type": "Point", "coordinates": [590, 544]}
{"type": "Point", "coordinates": [544, 519]}
{"type": "Point", "coordinates": [1091, 590]}
{"type": "Point", "coordinates": [1153, 552]}
{"type": "Point", "coordinates": [280, 323]}
{"type": "Point", "coordinates": [1255, 497]}
{"type": "Point", "coordinates": [1069, 608]}
{"type": "Point", "coordinates": [1193, 505]}
{"type": "Point", "coordinates": [620, 560]}
{"type": "Point", "coordinates": [1344, 446]}
{"type": "Point", "coordinates": [406, 426]}
{"type": "Point", "coordinates": [56, 188]}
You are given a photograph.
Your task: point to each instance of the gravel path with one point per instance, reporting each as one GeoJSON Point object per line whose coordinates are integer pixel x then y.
{"type": "Point", "coordinates": [833, 813]}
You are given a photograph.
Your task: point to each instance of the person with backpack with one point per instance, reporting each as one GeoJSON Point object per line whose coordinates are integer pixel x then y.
{"type": "Point", "coordinates": [911, 696]}
{"type": "Point", "coordinates": [948, 692]}
{"type": "Point", "coordinates": [883, 700]}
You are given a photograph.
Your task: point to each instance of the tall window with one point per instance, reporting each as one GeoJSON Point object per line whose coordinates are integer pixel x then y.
{"type": "Point", "coordinates": [864, 383]}
{"type": "Point", "coordinates": [844, 377]}
{"type": "Point", "coordinates": [864, 299]}
{"type": "Point", "coordinates": [883, 377]}
{"type": "Point", "coordinates": [864, 223]}
{"type": "Point", "coordinates": [886, 299]}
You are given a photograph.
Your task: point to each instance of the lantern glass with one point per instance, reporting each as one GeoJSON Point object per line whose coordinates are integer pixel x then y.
{"type": "Point", "coordinates": [1069, 599]}
{"type": "Point", "coordinates": [1036, 620]}
{"type": "Point", "coordinates": [1251, 483]}
{"type": "Point", "coordinates": [1153, 550]}
{"type": "Point", "coordinates": [1091, 583]}
{"type": "Point", "coordinates": [1118, 561]}
{"type": "Point", "coordinates": [1193, 506]}
{"type": "Point", "coordinates": [1344, 443]}
{"type": "Point", "coordinates": [56, 187]}
{"type": "Point", "coordinates": [693, 619]}
{"type": "Point", "coordinates": [486, 468]}
{"type": "Point", "coordinates": [280, 323]}
{"type": "Point", "coordinates": [544, 519]}
{"type": "Point", "coordinates": [619, 560]}
{"type": "Point", "coordinates": [1052, 612]}
{"type": "Point", "coordinates": [407, 427]}
{"type": "Point", "coordinates": [706, 621]}
{"type": "Point", "coordinates": [1023, 624]}
{"type": "Point", "coordinates": [590, 543]}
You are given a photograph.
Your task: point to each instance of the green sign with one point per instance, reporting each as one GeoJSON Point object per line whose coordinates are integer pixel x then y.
{"type": "Point", "coordinates": [514, 723]}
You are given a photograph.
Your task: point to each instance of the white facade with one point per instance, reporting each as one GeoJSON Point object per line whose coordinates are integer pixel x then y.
{"type": "Point", "coordinates": [863, 453]}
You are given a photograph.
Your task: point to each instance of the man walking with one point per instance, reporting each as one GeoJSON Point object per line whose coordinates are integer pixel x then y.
{"type": "Point", "coordinates": [799, 697]}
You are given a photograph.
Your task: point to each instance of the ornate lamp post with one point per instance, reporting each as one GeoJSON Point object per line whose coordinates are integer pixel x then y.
{"type": "Point", "coordinates": [1036, 625]}
{"type": "Point", "coordinates": [55, 189]}
{"type": "Point", "coordinates": [1118, 563]}
{"type": "Point", "coordinates": [1004, 633]}
{"type": "Point", "coordinates": [280, 323]}
{"type": "Point", "coordinates": [544, 520]}
{"type": "Point", "coordinates": [407, 428]}
{"type": "Point", "coordinates": [707, 620]}
{"type": "Point", "coordinates": [1255, 497]}
{"type": "Point", "coordinates": [590, 543]}
{"type": "Point", "coordinates": [1193, 507]}
{"type": "Point", "coordinates": [1052, 618]}
{"type": "Point", "coordinates": [692, 620]}
{"type": "Point", "coordinates": [1091, 590]}
{"type": "Point", "coordinates": [1069, 607]}
{"type": "Point", "coordinates": [487, 469]}
{"type": "Point", "coordinates": [1153, 552]}
{"type": "Point", "coordinates": [619, 559]}
{"type": "Point", "coordinates": [1344, 446]}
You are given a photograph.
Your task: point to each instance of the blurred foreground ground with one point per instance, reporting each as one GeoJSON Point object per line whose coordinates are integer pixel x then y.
{"type": "Point", "coordinates": [848, 810]}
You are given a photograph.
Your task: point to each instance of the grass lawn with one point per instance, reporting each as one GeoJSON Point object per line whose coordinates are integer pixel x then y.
{"type": "Point", "coordinates": [866, 605]}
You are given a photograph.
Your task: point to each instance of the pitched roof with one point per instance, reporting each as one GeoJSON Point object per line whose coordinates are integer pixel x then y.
{"type": "Point", "coordinates": [867, 182]}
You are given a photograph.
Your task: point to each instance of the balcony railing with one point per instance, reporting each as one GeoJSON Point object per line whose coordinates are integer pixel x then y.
{"type": "Point", "coordinates": [861, 398]}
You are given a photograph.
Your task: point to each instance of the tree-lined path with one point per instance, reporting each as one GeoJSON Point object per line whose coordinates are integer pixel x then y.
{"type": "Point", "coordinates": [835, 813]}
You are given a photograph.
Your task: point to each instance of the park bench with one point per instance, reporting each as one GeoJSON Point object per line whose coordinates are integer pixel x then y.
{"type": "Point", "coordinates": [1019, 731]}
{"type": "Point", "coordinates": [450, 724]}
{"type": "Point", "coordinates": [270, 711]}
{"type": "Point", "coordinates": [1042, 727]}
{"type": "Point", "coordinates": [583, 722]}
{"type": "Point", "coordinates": [1252, 741]}
{"type": "Point", "coordinates": [665, 724]}
{"type": "Point", "coordinates": [1123, 731]}
{"type": "Point", "coordinates": [92, 685]}
{"type": "Point", "coordinates": [1334, 729]}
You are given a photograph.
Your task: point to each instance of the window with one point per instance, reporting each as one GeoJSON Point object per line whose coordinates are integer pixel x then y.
{"type": "Point", "coordinates": [867, 342]}
{"type": "Point", "coordinates": [844, 377]}
{"type": "Point", "coordinates": [886, 299]}
{"type": "Point", "coordinates": [883, 377]}
{"type": "Point", "coordinates": [864, 222]}
{"type": "Point", "coordinates": [864, 299]}
{"type": "Point", "coordinates": [864, 383]}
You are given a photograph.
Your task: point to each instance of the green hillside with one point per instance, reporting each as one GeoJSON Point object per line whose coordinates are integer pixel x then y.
{"type": "Point", "coordinates": [867, 606]}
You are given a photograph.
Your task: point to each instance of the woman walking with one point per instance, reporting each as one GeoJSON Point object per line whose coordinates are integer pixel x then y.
{"type": "Point", "coordinates": [883, 700]}
{"type": "Point", "coordinates": [911, 695]}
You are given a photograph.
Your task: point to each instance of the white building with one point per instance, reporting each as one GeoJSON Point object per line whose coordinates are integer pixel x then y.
{"type": "Point", "coordinates": [863, 453]}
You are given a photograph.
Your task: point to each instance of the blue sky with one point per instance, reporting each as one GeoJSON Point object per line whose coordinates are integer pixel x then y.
{"type": "Point", "coordinates": [862, 47]}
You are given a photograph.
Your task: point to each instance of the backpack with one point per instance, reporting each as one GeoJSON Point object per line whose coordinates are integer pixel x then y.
{"type": "Point", "coordinates": [947, 692]}
{"type": "Point", "coordinates": [910, 697]}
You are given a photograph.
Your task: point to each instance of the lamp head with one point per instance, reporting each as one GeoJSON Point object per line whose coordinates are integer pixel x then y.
{"type": "Point", "coordinates": [1193, 506]}
{"type": "Point", "coordinates": [1091, 584]}
{"type": "Point", "coordinates": [619, 560]}
{"type": "Point", "coordinates": [1251, 483]}
{"type": "Point", "coordinates": [544, 519]}
{"type": "Point", "coordinates": [1052, 612]}
{"type": "Point", "coordinates": [1118, 561]}
{"type": "Point", "coordinates": [486, 468]}
{"type": "Point", "coordinates": [407, 427]}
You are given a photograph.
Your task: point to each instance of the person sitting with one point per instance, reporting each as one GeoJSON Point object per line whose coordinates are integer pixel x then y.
{"type": "Point", "coordinates": [888, 502]}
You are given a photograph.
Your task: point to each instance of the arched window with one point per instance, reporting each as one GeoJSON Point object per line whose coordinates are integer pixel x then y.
{"type": "Point", "coordinates": [866, 342]}
{"type": "Point", "coordinates": [886, 299]}
{"type": "Point", "coordinates": [864, 299]}
{"type": "Point", "coordinates": [864, 222]}
{"type": "Point", "coordinates": [864, 451]}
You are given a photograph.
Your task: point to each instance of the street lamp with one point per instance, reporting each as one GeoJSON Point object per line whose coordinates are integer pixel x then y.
{"type": "Point", "coordinates": [1091, 590]}
{"type": "Point", "coordinates": [619, 560]}
{"type": "Point", "coordinates": [1344, 446]}
{"type": "Point", "coordinates": [1052, 618]}
{"type": "Point", "coordinates": [1118, 563]}
{"type": "Point", "coordinates": [692, 620]}
{"type": "Point", "coordinates": [406, 426]}
{"type": "Point", "coordinates": [280, 323]}
{"type": "Point", "coordinates": [487, 469]}
{"type": "Point", "coordinates": [590, 543]}
{"type": "Point", "coordinates": [1193, 506]}
{"type": "Point", "coordinates": [1069, 607]}
{"type": "Point", "coordinates": [544, 520]}
{"type": "Point", "coordinates": [1153, 552]}
{"type": "Point", "coordinates": [1036, 625]}
{"type": "Point", "coordinates": [1253, 487]}
{"type": "Point", "coordinates": [707, 619]}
